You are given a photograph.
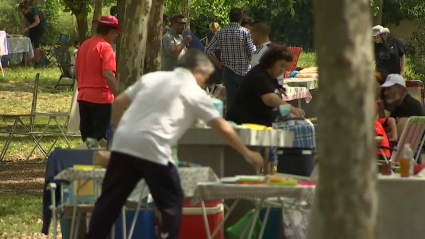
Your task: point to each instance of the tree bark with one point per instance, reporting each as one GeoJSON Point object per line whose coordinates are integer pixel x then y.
{"type": "Point", "coordinates": [82, 27]}
{"type": "Point", "coordinates": [154, 45]}
{"type": "Point", "coordinates": [186, 11]}
{"type": "Point", "coordinates": [133, 42]}
{"type": "Point", "coordinates": [120, 16]}
{"type": "Point", "coordinates": [377, 20]}
{"type": "Point", "coordinates": [346, 193]}
{"type": "Point", "coordinates": [98, 5]}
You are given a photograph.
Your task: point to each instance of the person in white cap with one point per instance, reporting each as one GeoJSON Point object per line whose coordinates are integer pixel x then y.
{"type": "Point", "coordinates": [405, 105]}
{"type": "Point", "coordinates": [389, 52]}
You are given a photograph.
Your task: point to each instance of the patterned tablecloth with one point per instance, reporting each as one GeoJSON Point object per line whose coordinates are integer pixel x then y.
{"type": "Point", "coordinates": [310, 83]}
{"type": "Point", "coordinates": [295, 93]}
{"type": "Point", "coordinates": [20, 45]}
{"type": "Point", "coordinates": [189, 177]}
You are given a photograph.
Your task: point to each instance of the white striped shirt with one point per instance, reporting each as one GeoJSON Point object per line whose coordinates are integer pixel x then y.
{"type": "Point", "coordinates": [256, 56]}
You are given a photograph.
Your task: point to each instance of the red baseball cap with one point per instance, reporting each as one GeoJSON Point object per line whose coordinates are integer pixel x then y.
{"type": "Point", "coordinates": [109, 21]}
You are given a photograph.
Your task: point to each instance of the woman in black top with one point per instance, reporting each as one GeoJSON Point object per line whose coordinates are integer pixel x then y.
{"type": "Point", "coordinates": [389, 52]}
{"type": "Point", "coordinates": [36, 26]}
{"type": "Point", "coordinates": [259, 95]}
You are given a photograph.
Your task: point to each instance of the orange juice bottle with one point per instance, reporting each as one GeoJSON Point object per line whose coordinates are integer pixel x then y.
{"type": "Point", "coordinates": [406, 164]}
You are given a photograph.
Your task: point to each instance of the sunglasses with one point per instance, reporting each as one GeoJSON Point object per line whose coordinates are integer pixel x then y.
{"type": "Point", "coordinates": [182, 23]}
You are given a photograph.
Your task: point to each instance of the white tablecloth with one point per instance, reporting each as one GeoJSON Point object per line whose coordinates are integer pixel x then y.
{"type": "Point", "coordinates": [20, 45]}
{"type": "Point", "coordinates": [310, 83]}
{"type": "Point", "coordinates": [296, 93]}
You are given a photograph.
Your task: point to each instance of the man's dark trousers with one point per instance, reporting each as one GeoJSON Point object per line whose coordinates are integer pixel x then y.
{"type": "Point", "coordinates": [123, 174]}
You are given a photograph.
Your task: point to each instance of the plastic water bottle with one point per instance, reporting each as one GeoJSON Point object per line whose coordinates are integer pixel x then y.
{"type": "Point", "coordinates": [218, 105]}
{"type": "Point", "coordinates": [92, 143]}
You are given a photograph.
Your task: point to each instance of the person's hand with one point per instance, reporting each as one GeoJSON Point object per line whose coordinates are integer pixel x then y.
{"type": "Point", "coordinates": [254, 158]}
{"type": "Point", "coordinates": [298, 112]}
{"type": "Point", "coordinates": [187, 39]}
{"type": "Point", "coordinates": [24, 30]}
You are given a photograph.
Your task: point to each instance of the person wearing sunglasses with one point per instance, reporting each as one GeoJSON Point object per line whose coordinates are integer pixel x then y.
{"type": "Point", "coordinates": [389, 51]}
{"type": "Point", "coordinates": [173, 43]}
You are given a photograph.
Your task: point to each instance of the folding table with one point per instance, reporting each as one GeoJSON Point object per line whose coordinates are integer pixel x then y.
{"type": "Point", "coordinates": [288, 198]}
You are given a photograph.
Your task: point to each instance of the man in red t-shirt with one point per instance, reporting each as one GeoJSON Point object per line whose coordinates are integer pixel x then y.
{"type": "Point", "coordinates": [95, 69]}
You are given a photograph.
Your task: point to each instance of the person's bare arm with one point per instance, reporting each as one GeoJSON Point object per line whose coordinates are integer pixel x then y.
{"type": "Point", "coordinates": [401, 122]}
{"type": "Point", "coordinates": [121, 103]}
{"type": "Point", "coordinates": [36, 22]}
{"type": "Point", "coordinates": [175, 51]}
{"type": "Point", "coordinates": [75, 73]}
{"type": "Point", "coordinates": [393, 127]}
{"type": "Point", "coordinates": [228, 133]}
{"type": "Point", "coordinates": [272, 100]}
{"type": "Point", "coordinates": [111, 81]}
{"type": "Point", "coordinates": [402, 64]}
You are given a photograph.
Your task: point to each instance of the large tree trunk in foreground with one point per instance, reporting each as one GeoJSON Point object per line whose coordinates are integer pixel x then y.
{"type": "Point", "coordinates": [133, 42]}
{"type": "Point", "coordinates": [154, 42]}
{"type": "Point", "coordinates": [377, 20]}
{"type": "Point", "coordinates": [346, 193]}
{"type": "Point", "coordinates": [98, 5]}
{"type": "Point", "coordinates": [186, 11]}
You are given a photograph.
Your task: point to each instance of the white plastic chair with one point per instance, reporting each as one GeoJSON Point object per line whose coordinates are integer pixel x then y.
{"type": "Point", "coordinates": [413, 134]}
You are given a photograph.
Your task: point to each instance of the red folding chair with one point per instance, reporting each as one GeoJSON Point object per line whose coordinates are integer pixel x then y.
{"type": "Point", "coordinates": [416, 89]}
{"type": "Point", "coordinates": [296, 52]}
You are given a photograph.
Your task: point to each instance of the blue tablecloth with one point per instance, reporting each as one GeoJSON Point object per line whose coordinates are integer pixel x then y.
{"type": "Point", "coordinates": [59, 160]}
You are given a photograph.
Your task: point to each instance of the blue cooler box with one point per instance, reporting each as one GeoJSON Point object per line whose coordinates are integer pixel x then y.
{"type": "Point", "coordinates": [145, 224]}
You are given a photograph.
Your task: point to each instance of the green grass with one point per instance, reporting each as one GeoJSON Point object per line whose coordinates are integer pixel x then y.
{"type": "Point", "coordinates": [16, 98]}
{"type": "Point", "coordinates": [307, 59]}
{"type": "Point", "coordinates": [20, 215]}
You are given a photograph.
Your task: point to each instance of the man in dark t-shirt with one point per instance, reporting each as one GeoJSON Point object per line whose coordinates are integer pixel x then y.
{"type": "Point", "coordinates": [35, 26]}
{"type": "Point", "coordinates": [405, 105]}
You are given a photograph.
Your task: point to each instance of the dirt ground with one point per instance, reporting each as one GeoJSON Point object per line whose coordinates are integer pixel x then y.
{"type": "Point", "coordinates": [21, 177]}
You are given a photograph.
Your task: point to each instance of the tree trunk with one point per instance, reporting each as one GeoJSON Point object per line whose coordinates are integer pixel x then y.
{"type": "Point", "coordinates": [120, 16]}
{"type": "Point", "coordinates": [377, 20]}
{"type": "Point", "coordinates": [154, 45]}
{"type": "Point", "coordinates": [98, 5]}
{"type": "Point", "coordinates": [346, 193]}
{"type": "Point", "coordinates": [133, 42]}
{"type": "Point", "coordinates": [82, 28]}
{"type": "Point", "coordinates": [186, 11]}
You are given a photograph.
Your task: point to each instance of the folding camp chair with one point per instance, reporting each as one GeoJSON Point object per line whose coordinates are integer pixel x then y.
{"type": "Point", "coordinates": [296, 52]}
{"type": "Point", "coordinates": [413, 134]}
{"type": "Point", "coordinates": [416, 89]}
{"type": "Point", "coordinates": [53, 116]}
{"type": "Point", "coordinates": [66, 67]}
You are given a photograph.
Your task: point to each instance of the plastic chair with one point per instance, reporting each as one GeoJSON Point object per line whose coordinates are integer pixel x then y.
{"type": "Point", "coordinates": [296, 52]}
{"type": "Point", "coordinates": [413, 134]}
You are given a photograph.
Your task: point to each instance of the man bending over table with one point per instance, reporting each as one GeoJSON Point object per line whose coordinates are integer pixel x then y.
{"type": "Point", "coordinates": [150, 118]}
